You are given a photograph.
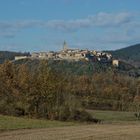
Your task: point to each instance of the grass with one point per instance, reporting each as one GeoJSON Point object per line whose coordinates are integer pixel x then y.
{"type": "Point", "coordinates": [113, 116]}
{"type": "Point", "coordinates": [12, 123]}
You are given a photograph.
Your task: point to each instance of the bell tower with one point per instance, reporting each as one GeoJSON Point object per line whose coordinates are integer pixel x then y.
{"type": "Point", "coordinates": [65, 46]}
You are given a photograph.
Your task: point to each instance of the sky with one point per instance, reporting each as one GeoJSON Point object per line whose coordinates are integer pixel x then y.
{"type": "Point", "coordinates": [43, 25]}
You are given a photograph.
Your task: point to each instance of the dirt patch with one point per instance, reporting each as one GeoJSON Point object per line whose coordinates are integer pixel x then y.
{"type": "Point", "coordinates": [85, 132]}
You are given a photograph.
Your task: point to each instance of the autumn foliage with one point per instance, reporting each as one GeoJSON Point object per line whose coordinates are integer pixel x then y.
{"type": "Point", "coordinates": [45, 93]}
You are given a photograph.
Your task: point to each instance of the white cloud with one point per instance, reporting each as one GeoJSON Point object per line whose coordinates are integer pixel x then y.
{"type": "Point", "coordinates": [106, 19]}
{"type": "Point", "coordinates": [119, 22]}
{"type": "Point", "coordinates": [99, 20]}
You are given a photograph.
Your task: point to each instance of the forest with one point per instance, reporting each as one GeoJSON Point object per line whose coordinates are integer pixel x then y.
{"type": "Point", "coordinates": [131, 54]}
{"type": "Point", "coordinates": [44, 92]}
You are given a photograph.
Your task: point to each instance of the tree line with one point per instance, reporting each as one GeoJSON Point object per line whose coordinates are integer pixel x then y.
{"type": "Point", "coordinates": [46, 93]}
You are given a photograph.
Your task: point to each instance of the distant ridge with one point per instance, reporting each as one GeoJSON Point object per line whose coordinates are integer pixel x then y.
{"type": "Point", "coordinates": [130, 54]}
{"type": "Point", "coordinates": [8, 55]}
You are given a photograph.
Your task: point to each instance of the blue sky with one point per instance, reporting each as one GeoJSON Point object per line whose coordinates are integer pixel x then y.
{"type": "Point", "coordinates": [42, 25]}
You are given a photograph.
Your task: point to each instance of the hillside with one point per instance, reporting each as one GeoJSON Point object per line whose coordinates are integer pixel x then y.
{"type": "Point", "coordinates": [7, 55]}
{"type": "Point", "coordinates": [83, 68]}
{"type": "Point", "coordinates": [130, 54]}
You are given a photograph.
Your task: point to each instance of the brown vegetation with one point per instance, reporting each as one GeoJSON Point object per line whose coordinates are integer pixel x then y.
{"type": "Point", "coordinates": [48, 94]}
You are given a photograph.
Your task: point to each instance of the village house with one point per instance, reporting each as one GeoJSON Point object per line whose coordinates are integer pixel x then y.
{"type": "Point", "coordinates": [73, 55]}
{"type": "Point", "coordinates": [115, 63]}
{"type": "Point", "coordinates": [20, 57]}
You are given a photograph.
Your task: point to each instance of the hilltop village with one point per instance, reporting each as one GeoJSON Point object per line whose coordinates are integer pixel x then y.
{"type": "Point", "coordinates": [73, 55]}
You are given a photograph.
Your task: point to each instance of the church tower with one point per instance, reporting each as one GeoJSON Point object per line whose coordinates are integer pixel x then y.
{"type": "Point", "coordinates": [65, 46]}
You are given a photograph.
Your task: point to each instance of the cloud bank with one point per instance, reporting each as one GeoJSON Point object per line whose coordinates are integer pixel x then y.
{"type": "Point", "coordinates": [100, 20]}
{"type": "Point", "coordinates": [118, 24]}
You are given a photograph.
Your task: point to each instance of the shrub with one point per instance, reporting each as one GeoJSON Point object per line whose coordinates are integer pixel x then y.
{"type": "Point", "coordinates": [66, 114]}
{"type": "Point", "coordinates": [83, 116]}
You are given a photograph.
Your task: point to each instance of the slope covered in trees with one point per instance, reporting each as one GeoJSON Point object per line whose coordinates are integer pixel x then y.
{"type": "Point", "coordinates": [83, 67]}
{"type": "Point", "coordinates": [44, 92]}
{"type": "Point", "coordinates": [6, 55]}
{"type": "Point", "coordinates": [130, 54]}
{"type": "Point", "coordinates": [39, 93]}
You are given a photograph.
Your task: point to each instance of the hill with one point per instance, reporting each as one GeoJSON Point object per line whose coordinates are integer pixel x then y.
{"type": "Point", "coordinates": [83, 68]}
{"type": "Point", "coordinates": [129, 54]}
{"type": "Point", "coordinates": [7, 55]}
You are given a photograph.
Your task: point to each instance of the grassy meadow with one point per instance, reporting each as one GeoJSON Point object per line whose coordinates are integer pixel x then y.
{"type": "Point", "coordinates": [12, 123]}
{"type": "Point", "coordinates": [113, 116]}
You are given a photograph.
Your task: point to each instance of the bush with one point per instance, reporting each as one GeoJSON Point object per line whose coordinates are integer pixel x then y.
{"type": "Point", "coordinates": [19, 112]}
{"type": "Point", "coordinates": [66, 114]}
{"type": "Point", "coordinates": [137, 115]}
{"type": "Point", "coordinates": [83, 116]}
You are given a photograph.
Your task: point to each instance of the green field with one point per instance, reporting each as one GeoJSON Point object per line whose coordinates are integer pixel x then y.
{"type": "Point", "coordinates": [10, 123]}
{"type": "Point", "coordinates": [113, 116]}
